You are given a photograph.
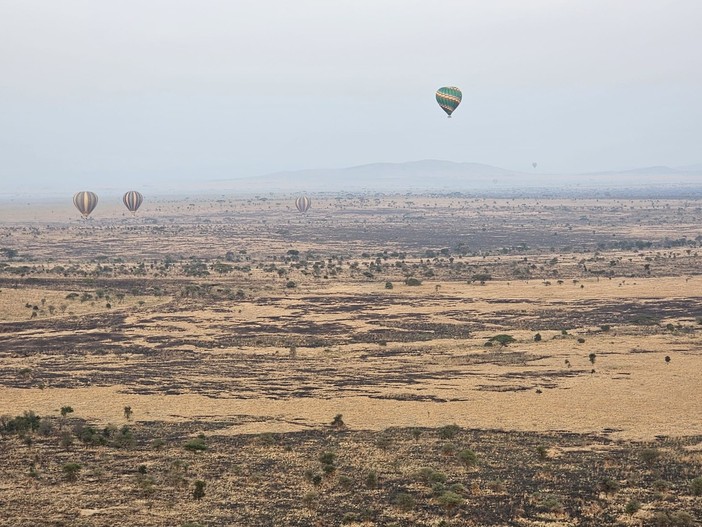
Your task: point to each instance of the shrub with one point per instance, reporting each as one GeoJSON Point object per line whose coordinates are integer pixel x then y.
{"type": "Point", "coordinates": [196, 444]}
{"type": "Point", "coordinates": [550, 504]}
{"type": "Point", "coordinates": [632, 507]}
{"type": "Point", "coordinates": [22, 424]}
{"type": "Point", "coordinates": [413, 281]}
{"type": "Point", "coordinates": [388, 285]}
{"type": "Point", "coordinates": [673, 519]}
{"type": "Point", "coordinates": [124, 438]}
{"type": "Point", "coordinates": [338, 421]}
{"type": "Point", "coordinates": [128, 412]}
{"type": "Point", "coordinates": [650, 455]}
{"type": "Point", "coordinates": [450, 500]}
{"type": "Point", "coordinates": [66, 440]}
{"type": "Point", "coordinates": [660, 485]}
{"type": "Point", "coordinates": [449, 431]}
{"type": "Point", "coordinates": [429, 475]}
{"type": "Point", "coordinates": [448, 449]}
{"type": "Point", "coordinates": [542, 452]}
{"type": "Point", "coordinates": [199, 490]}
{"type": "Point", "coordinates": [502, 339]}
{"type": "Point", "coordinates": [696, 486]}
{"type": "Point", "coordinates": [70, 471]}
{"type": "Point", "coordinates": [372, 479]}
{"type": "Point", "coordinates": [403, 501]}
{"type": "Point", "coordinates": [537, 337]}
{"type": "Point", "coordinates": [468, 457]}
{"type": "Point", "coordinates": [592, 358]}
{"type": "Point", "coordinates": [65, 410]}
{"type": "Point", "coordinates": [346, 482]}
{"type": "Point", "coordinates": [309, 498]}
{"type": "Point", "coordinates": [609, 486]}
{"type": "Point", "coordinates": [327, 458]}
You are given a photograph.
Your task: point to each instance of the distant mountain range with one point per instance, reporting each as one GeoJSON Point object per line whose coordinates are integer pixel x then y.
{"type": "Point", "coordinates": [416, 177]}
{"type": "Point", "coordinates": [443, 176]}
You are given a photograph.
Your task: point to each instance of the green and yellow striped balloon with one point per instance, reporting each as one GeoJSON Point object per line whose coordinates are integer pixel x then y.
{"type": "Point", "coordinates": [85, 202]}
{"type": "Point", "coordinates": [449, 97]}
{"type": "Point", "coordinates": [132, 200]}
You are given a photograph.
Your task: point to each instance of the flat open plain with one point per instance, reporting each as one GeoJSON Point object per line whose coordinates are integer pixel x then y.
{"type": "Point", "coordinates": [560, 336]}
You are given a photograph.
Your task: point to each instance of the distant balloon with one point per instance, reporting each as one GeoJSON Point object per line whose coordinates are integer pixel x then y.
{"type": "Point", "coordinates": [303, 203]}
{"type": "Point", "coordinates": [133, 200]}
{"type": "Point", "coordinates": [85, 202]}
{"type": "Point", "coordinates": [449, 97]}
{"type": "Point", "coordinates": [534, 164]}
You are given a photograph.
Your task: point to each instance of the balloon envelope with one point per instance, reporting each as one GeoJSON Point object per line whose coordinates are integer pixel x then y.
{"type": "Point", "coordinates": [303, 203]}
{"type": "Point", "coordinates": [85, 202]}
{"type": "Point", "coordinates": [133, 200]}
{"type": "Point", "coordinates": [449, 97]}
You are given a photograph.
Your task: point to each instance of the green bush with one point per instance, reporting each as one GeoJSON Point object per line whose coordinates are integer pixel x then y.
{"type": "Point", "coordinates": [403, 501]}
{"type": "Point", "coordinates": [196, 444]}
{"type": "Point", "coordinates": [609, 486]}
{"type": "Point", "coordinates": [449, 431]}
{"type": "Point", "coordinates": [70, 471]}
{"type": "Point", "coordinates": [468, 457]}
{"type": "Point", "coordinates": [502, 339]}
{"type": "Point", "coordinates": [450, 500]}
{"type": "Point", "coordinates": [650, 455]}
{"type": "Point", "coordinates": [199, 490]}
{"type": "Point", "coordinates": [372, 479]}
{"type": "Point", "coordinates": [696, 486]}
{"type": "Point", "coordinates": [429, 475]}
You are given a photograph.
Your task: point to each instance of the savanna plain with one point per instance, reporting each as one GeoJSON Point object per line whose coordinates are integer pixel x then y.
{"type": "Point", "coordinates": [394, 360]}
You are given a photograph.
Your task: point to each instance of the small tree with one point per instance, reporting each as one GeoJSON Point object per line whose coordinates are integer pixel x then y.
{"type": "Point", "coordinates": [502, 339]}
{"type": "Point", "coordinates": [592, 358]}
{"type": "Point", "coordinates": [696, 486]}
{"type": "Point", "coordinates": [450, 500]}
{"type": "Point", "coordinates": [128, 412]}
{"type": "Point", "coordinates": [65, 410]}
{"type": "Point", "coordinates": [650, 455]}
{"type": "Point", "coordinates": [338, 421]}
{"type": "Point", "coordinates": [199, 490]}
{"type": "Point", "coordinates": [196, 444]}
{"type": "Point", "coordinates": [70, 471]}
{"type": "Point", "coordinates": [468, 457]}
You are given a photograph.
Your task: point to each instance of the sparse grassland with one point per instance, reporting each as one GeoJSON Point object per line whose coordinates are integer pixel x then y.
{"type": "Point", "coordinates": [185, 356]}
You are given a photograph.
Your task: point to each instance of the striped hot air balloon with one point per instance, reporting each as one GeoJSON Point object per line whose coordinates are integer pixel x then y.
{"type": "Point", "coordinates": [85, 202]}
{"type": "Point", "coordinates": [303, 203]}
{"type": "Point", "coordinates": [449, 97]}
{"type": "Point", "coordinates": [133, 200]}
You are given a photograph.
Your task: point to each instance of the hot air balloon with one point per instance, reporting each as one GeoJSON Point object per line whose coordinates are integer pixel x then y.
{"type": "Point", "coordinates": [449, 97]}
{"type": "Point", "coordinates": [303, 203]}
{"type": "Point", "coordinates": [133, 200]}
{"type": "Point", "coordinates": [534, 164]}
{"type": "Point", "coordinates": [85, 202]}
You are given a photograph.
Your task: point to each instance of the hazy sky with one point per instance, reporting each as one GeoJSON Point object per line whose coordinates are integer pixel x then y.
{"type": "Point", "coordinates": [103, 92]}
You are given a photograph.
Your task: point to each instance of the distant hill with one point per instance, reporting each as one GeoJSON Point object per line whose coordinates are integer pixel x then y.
{"type": "Point", "coordinates": [447, 176]}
